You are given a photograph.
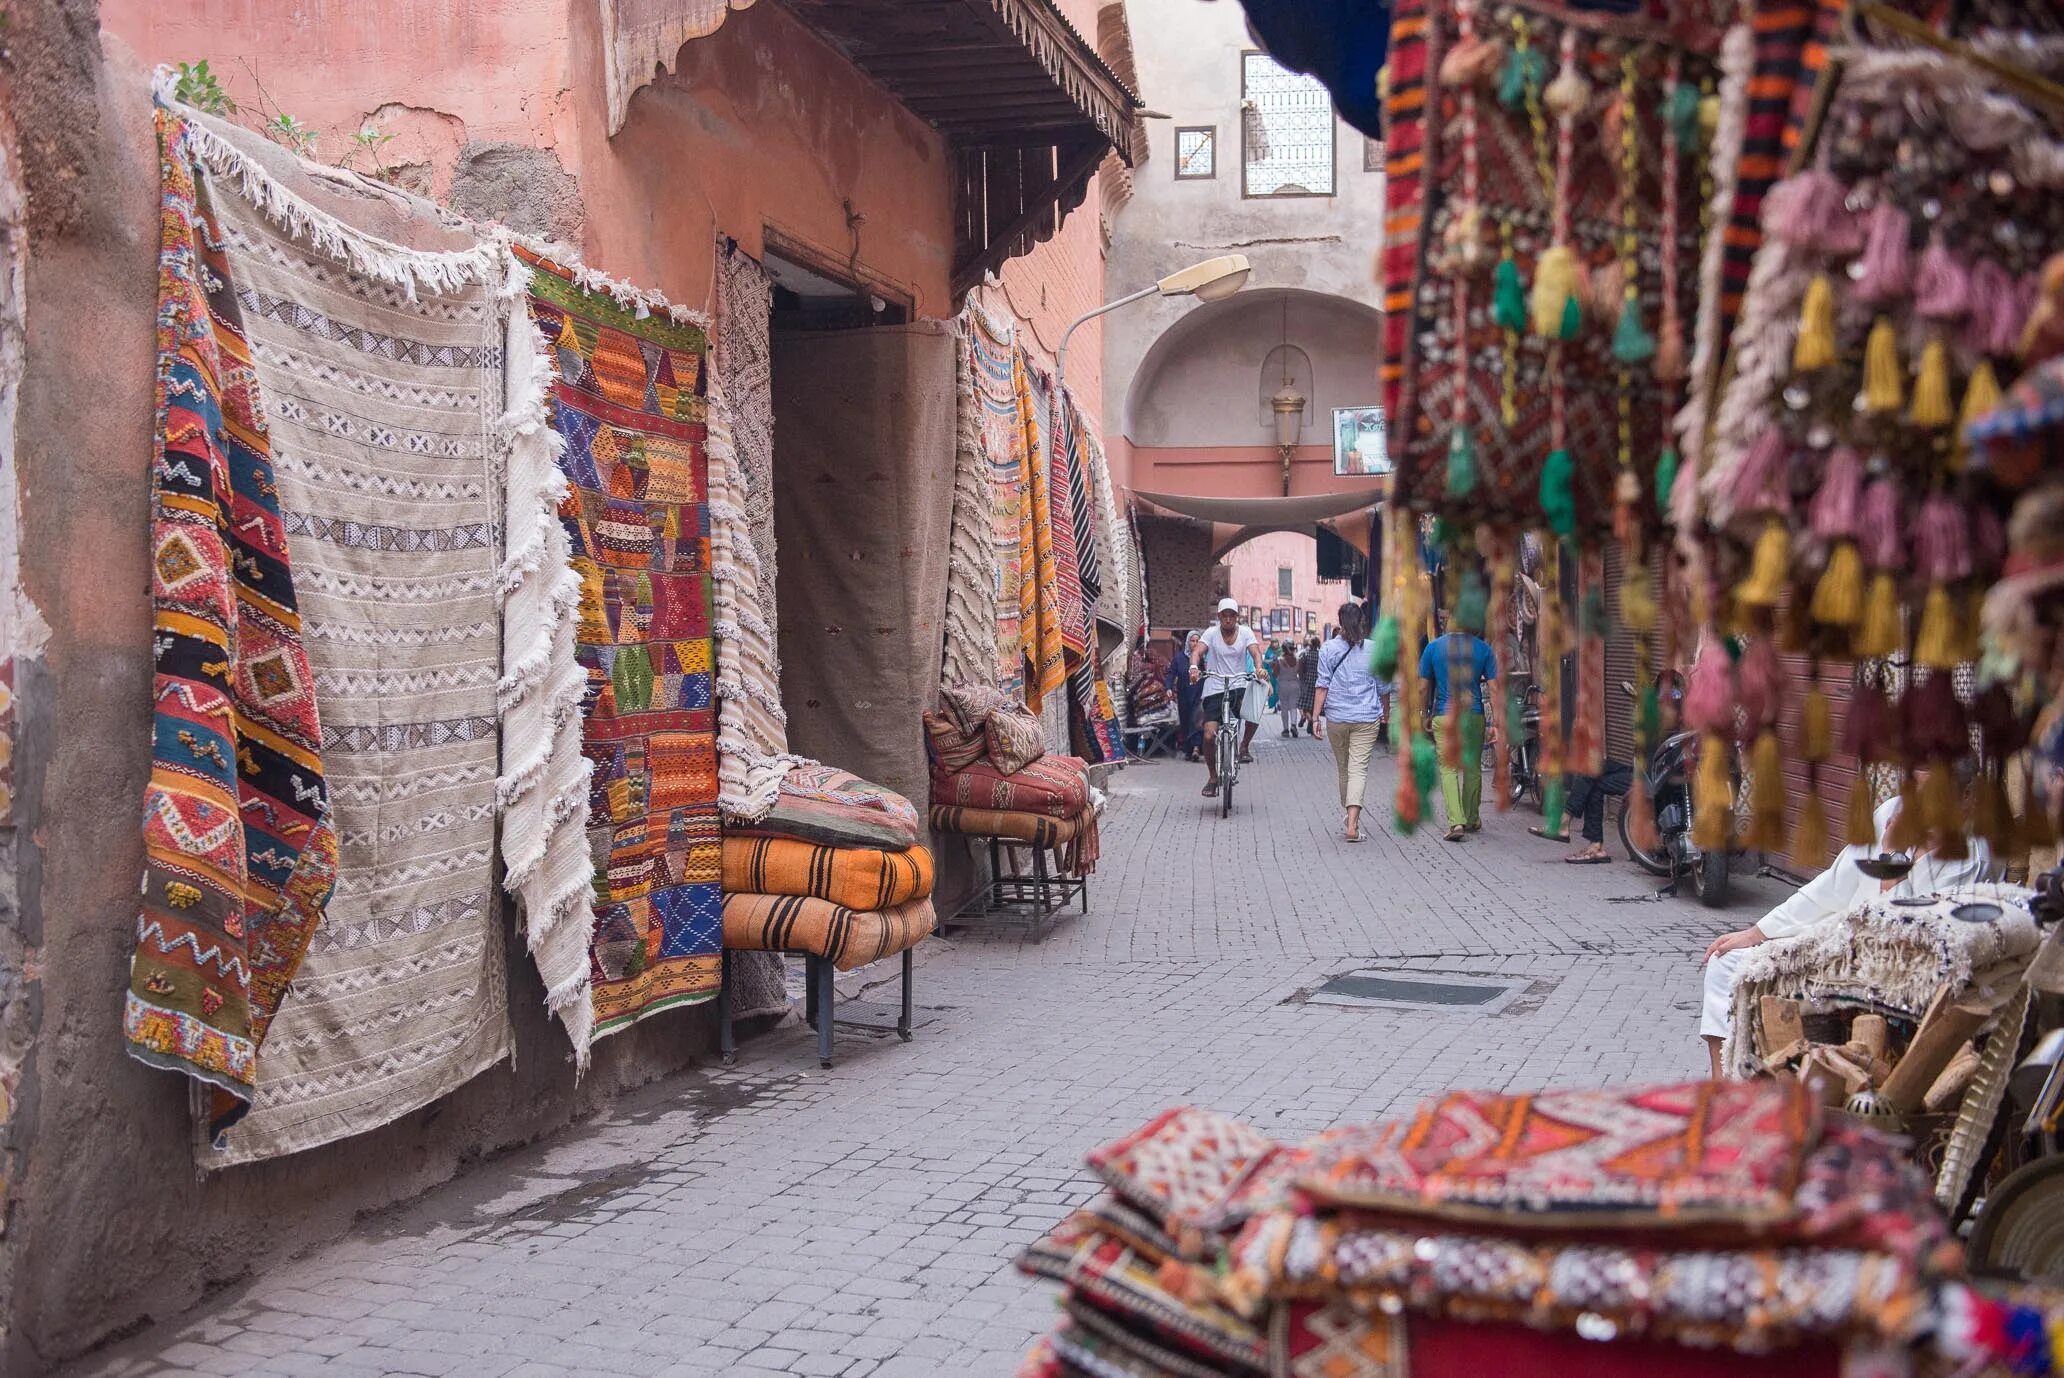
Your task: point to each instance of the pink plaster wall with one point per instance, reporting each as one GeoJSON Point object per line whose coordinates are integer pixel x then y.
{"type": "Point", "coordinates": [1254, 577]}
{"type": "Point", "coordinates": [761, 125]}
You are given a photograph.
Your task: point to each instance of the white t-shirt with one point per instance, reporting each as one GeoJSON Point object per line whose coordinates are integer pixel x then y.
{"type": "Point", "coordinates": [1220, 660]}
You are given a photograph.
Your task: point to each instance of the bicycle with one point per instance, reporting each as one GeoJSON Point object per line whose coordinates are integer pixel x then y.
{"type": "Point", "coordinates": [1230, 725]}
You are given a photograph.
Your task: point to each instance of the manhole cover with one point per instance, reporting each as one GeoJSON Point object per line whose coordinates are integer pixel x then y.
{"type": "Point", "coordinates": [1377, 987]}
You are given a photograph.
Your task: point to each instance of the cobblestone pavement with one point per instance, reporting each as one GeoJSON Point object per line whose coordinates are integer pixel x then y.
{"type": "Point", "coordinates": [774, 1217]}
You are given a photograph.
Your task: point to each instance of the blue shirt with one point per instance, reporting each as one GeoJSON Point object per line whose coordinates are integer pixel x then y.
{"type": "Point", "coordinates": [1353, 695]}
{"type": "Point", "coordinates": [1437, 662]}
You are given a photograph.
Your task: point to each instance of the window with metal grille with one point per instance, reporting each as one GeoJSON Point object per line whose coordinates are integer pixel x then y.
{"type": "Point", "coordinates": [1283, 582]}
{"type": "Point", "coordinates": [1286, 121]}
{"type": "Point", "coordinates": [1196, 152]}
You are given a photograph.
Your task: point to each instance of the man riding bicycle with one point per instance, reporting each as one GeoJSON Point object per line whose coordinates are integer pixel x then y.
{"type": "Point", "coordinates": [1226, 653]}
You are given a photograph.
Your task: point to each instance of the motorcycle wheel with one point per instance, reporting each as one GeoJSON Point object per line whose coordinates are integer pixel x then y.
{"type": "Point", "coordinates": [1656, 863]}
{"type": "Point", "coordinates": [2020, 1230]}
{"type": "Point", "coordinates": [1709, 878]}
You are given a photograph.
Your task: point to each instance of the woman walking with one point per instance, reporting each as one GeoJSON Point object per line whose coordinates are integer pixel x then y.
{"type": "Point", "coordinates": [1189, 736]}
{"type": "Point", "coordinates": [1289, 689]}
{"type": "Point", "coordinates": [1308, 666]}
{"type": "Point", "coordinates": [1349, 707]}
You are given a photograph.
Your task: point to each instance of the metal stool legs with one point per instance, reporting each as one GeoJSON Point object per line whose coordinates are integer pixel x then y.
{"type": "Point", "coordinates": [823, 1000]}
{"type": "Point", "coordinates": [727, 1040]}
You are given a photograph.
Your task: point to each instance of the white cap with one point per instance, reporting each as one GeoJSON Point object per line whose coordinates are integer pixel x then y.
{"type": "Point", "coordinates": [1228, 605]}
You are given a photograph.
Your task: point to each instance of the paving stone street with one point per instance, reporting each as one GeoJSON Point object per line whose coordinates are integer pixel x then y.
{"type": "Point", "coordinates": [775, 1217]}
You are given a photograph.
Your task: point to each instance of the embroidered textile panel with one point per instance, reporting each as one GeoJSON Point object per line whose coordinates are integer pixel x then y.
{"type": "Point", "coordinates": [381, 401]}
{"type": "Point", "coordinates": [1040, 596]}
{"type": "Point", "coordinates": [239, 853]}
{"type": "Point", "coordinates": [971, 572]}
{"type": "Point", "coordinates": [630, 403]}
{"type": "Point", "coordinates": [992, 355]}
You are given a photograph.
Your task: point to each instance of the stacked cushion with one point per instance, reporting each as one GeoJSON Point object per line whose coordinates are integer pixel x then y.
{"type": "Point", "coordinates": [800, 923]}
{"type": "Point", "coordinates": [857, 877]}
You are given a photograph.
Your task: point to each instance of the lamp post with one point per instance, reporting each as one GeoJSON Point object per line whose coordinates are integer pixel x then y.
{"type": "Point", "coordinates": [1214, 279]}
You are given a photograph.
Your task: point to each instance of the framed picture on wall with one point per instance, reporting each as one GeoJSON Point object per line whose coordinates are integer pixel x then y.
{"type": "Point", "coordinates": [1360, 446]}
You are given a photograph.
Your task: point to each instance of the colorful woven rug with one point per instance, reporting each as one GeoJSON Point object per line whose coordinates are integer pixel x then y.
{"type": "Point", "coordinates": [1041, 593]}
{"type": "Point", "coordinates": [239, 858]}
{"type": "Point", "coordinates": [1092, 718]}
{"type": "Point", "coordinates": [381, 374]}
{"type": "Point", "coordinates": [835, 808]}
{"type": "Point", "coordinates": [992, 354]}
{"type": "Point", "coordinates": [629, 402]}
{"type": "Point", "coordinates": [971, 572]}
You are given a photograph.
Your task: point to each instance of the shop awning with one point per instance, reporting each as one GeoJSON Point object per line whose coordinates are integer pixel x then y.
{"type": "Point", "coordinates": [1030, 107]}
{"type": "Point", "coordinates": [1234, 520]}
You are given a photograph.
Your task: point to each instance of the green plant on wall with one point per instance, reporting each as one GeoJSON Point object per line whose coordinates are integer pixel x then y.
{"type": "Point", "coordinates": [197, 86]}
{"type": "Point", "coordinates": [290, 134]}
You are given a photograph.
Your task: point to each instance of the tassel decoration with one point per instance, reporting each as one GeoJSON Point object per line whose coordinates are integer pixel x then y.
{"type": "Point", "coordinates": [1942, 289]}
{"type": "Point", "coordinates": [1767, 794]}
{"type": "Point", "coordinates": [1709, 700]}
{"type": "Point", "coordinates": [1632, 345]}
{"type": "Point", "coordinates": [1406, 809]}
{"type": "Point", "coordinates": [1554, 802]}
{"type": "Point", "coordinates": [1802, 209]}
{"type": "Point", "coordinates": [1887, 257]}
{"type": "Point", "coordinates": [1981, 396]}
{"type": "Point", "coordinates": [1883, 387]}
{"type": "Point", "coordinates": [1992, 817]}
{"type": "Point", "coordinates": [1988, 542]}
{"type": "Point", "coordinates": [1383, 647]}
{"type": "Point", "coordinates": [1671, 362]}
{"type": "Point", "coordinates": [1667, 465]}
{"type": "Point", "coordinates": [1882, 534]}
{"type": "Point", "coordinates": [1937, 643]}
{"type": "Point", "coordinates": [1939, 803]}
{"type": "Point", "coordinates": [1991, 294]}
{"type": "Point", "coordinates": [1508, 296]}
{"type": "Point", "coordinates": [1554, 294]}
{"type": "Point", "coordinates": [1810, 843]}
{"type": "Point", "coordinates": [1681, 112]}
{"type": "Point", "coordinates": [1879, 635]}
{"type": "Point", "coordinates": [1461, 464]}
{"type": "Point", "coordinates": [1909, 831]}
{"type": "Point", "coordinates": [1558, 493]}
{"type": "Point", "coordinates": [1523, 68]}
{"type": "Point", "coordinates": [1637, 600]}
{"type": "Point", "coordinates": [1759, 483]}
{"type": "Point", "coordinates": [1472, 62]}
{"type": "Point", "coordinates": [1816, 727]}
{"type": "Point", "coordinates": [1712, 821]}
{"type": "Point", "coordinates": [1942, 540]}
{"type": "Point", "coordinates": [1568, 95]}
{"type": "Point", "coordinates": [1932, 405]}
{"type": "Point", "coordinates": [1759, 687]}
{"type": "Point", "coordinates": [1425, 765]}
{"type": "Point", "coordinates": [1838, 504]}
{"type": "Point", "coordinates": [1933, 720]}
{"type": "Point", "coordinates": [1765, 586]}
{"type": "Point", "coordinates": [1815, 348]}
{"type": "Point", "coordinates": [1860, 829]}
{"type": "Point", "coordinates": [1838, 596]}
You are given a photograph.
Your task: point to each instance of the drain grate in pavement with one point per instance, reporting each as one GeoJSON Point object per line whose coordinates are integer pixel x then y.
{"type": "Point", "coordinates": [1392, 988]}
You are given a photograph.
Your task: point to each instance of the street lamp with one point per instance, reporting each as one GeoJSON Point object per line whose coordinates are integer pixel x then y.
{"type": "Point", "coordinates": [1288, 405]}
{"type": "Point", "coordinates": [1214, 279]}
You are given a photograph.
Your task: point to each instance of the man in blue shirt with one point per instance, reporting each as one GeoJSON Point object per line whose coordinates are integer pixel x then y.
{"type": "Point", "coordinates": [1461, 663]}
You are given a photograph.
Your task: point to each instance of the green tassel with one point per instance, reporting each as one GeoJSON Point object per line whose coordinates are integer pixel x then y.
{"type": "Point", "coordinates": [1648, 718]}
{"type": "Point", "coordinates": [1666, 477]}
{"type": "Point", "coordinates": [1473, 603]}
{"type": "Point", "coordinates": [1425, 765]}
{"type": "Point", "coordinates": [1681, 109]}
{"type": "Point", "coordinates": [1383, 647]}
{"type": "Point", "coordinates": [1515, 715]}
{"type": "Point", "coordinates": [1508, 296]}
{"type": "Point", "coordinates": [1572, 318]}
{"type": "Point", "coordinates": [1631, 342]}
{"type": "Point", "coordinates": [1591, 612]}
{"type": "Point", "coordinates": [1521, 70]}
{"type": "Point", "coordinates": [1558, 493]}
{"type": "Point", "coordinates": [1442, 533]}
{"type": "Point", "coordinates": [1461, 464]}
{"type": "Point", "coordinates": [1554, 794]}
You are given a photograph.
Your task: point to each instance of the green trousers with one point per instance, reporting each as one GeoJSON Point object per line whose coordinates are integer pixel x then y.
{"type": "Point", "coordinates": [1462, 785]}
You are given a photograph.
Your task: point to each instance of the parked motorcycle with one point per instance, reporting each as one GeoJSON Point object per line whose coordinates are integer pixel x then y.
{"type": "Point", "coordinates": [1670, 772]}
{"type": "Point", "coordinates": [1525, 757]}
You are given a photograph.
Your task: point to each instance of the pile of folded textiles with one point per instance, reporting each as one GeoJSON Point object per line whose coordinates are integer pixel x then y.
{"type": "Point", "coordinates": [1148, 687]}
{"type": "Point", "coordinates": [992, 776]}
{"type": "Point", "coordinates": [835, 870]}
{"type": "Point", "coordinates": [1706, 1228]}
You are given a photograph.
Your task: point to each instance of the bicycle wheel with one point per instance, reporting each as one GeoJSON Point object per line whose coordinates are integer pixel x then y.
{"type": "Point", "coordinates": [1228, 765]}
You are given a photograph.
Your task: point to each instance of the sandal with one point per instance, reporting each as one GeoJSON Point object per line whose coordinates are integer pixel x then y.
{"type": "Point", "coordinates": [1552, 837]}
{"type": "Point", "coordinates": [1246, 758]}
{"type": "Point", "coordinates": [1211, 790]}
{"type": "Point", "coordinates": [1588, 859]}
{"type": "Point", "coordinates": [1454, 835]}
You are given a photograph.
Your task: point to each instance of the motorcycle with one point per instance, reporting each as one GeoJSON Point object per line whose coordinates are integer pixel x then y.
{"type": "Point", "coordinates": [1670, 773]}
{"type": "Point", "coordinates": [1525, 756]}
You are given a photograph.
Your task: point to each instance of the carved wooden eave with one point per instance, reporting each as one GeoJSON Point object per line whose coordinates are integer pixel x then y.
{"type": "Point", "coordinates": [1030, 108]}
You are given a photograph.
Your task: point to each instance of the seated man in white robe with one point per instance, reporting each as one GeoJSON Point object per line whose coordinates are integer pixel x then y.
{"type": "Point", "coordinates": [1837, 890]}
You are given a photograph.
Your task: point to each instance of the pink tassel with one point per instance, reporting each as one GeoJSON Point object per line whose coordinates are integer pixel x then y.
{"type": "Point", "coordinates": [1887, 259]}
{"type": "Point", "coordinates": [1802, 209]}
{"type": "Point", "coordinates": [2012, 318]}
{"type": "Point", "coordinates": [1942, 541]}
{"type": "Point", "coordinates": [1880, 538]}
{"type": "Point", "coordinates": [1988, 541]}
{"type": "Point", "coordinates": [1991, 294]}
{"type": "Point", "coordinates": [1942, 289]}
{"type": "Point", "coordinates": [1709, 698]}
{"type": "Point", "coordinates": [1838, 506]}
{"type": "Point", "coordinates": [1759, 687]}
{"type": "Point", "coordinates": [1844, 233]}
{"type": "Point", "coordinates": [1759, 484]}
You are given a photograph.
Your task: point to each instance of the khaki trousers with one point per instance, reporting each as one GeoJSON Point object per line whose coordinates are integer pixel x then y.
{"type": "Point", "coordinates": [1352, 742]}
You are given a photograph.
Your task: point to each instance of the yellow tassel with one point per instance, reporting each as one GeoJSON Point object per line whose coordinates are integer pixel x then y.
{"type": "Point", "coordinates": [1910, 823]}
{"type": "Point", "coordinates": [1713, 816]}
{"type": "Point", "coordinates": [1992, 817]}
{"type": "Point", "coordinates": [1810, 843]}
{"type": "Point", "coordinates": [1767, 794]}
{"type": "Point", "coordinates": [1816, 345]}
{"type": "Point", "coordinates": [1883, 390]}
{"type": "Point", "coordinates": [1970, 645]}
{"type": "Point", "coordinates": [1932, 406]}
{"type": "Point", "coordinates": [1765, 586]}
{"type": "Point", "coordinates": [1838, 597]}
{"type": "Point", "coordinates": [1981, 395]}
{"type": "Point", "coordinates": [1861, 827]}
{"type": "Point", "coordinates": [1938, 642]}
{"type": "Point", "coordinates": [1555, 278]}
{"type": "Point", "coordinates": [1879, 635]}
{"type": "Point", "coordinates": [1816, 726]}
{"type": "Point", "coordinates": [1939, 802]}
{"type": "Point", "coordinates": [1637, 600]}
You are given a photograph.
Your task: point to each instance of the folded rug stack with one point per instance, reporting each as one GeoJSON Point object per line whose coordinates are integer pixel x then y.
{"type": "Point", "coordinates": [992, 776]}
{"type": "Point", "coordinates": [1707, 1228]}
{"type": "Point", "coordinates": [834, 870]}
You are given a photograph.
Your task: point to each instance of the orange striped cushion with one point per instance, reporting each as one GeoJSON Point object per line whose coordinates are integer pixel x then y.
{"type": "Point", "coordinates": [799, 923]}
{"type": "Point", "coordinates": [1035, 828]}
{"type": "Point", "coordinates": [857, 877]}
